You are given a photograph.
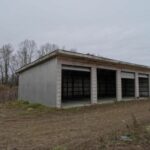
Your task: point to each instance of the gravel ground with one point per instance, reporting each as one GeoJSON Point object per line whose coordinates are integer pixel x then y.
{"type": "Point", "coordinates": [73, 129]}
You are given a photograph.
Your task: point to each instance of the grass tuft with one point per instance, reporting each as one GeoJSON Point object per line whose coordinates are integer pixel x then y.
{"type": "Point", "coordinates": [25, 105]}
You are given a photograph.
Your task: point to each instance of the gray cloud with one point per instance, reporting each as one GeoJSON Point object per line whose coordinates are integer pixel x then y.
{"type": "Point", "coordinates": [116, 29]}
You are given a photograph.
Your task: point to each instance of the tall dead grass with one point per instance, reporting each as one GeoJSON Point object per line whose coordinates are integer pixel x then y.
{"type": "Point", "coordinates": [8, 93]}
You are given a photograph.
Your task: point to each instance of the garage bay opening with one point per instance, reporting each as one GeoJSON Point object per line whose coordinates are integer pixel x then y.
{"type": "Point", "coordinates": [143, 85]}
{"type": "Point", "coordinates": [106, 84]}
{"type": "Point", "coordinates": [128, 85]}
{"type": "Point", "coordinates": [76, 85]}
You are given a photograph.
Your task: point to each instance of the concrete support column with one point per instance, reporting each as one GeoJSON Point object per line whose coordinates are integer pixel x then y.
{"type": "Point", "coordinates": [58, 85]}
{"type": "Point", "coordinates": [118, 85]}
{"type": "Point", "coordinates": [94, 85]}
{"type": "Point", "coordinates": [137, 85]}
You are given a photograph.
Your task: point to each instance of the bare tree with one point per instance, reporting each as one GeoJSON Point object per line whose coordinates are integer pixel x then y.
{"type": "Point", "coordinates": [1, 68]}
{"type": "Point", "coordinates": [1, 73]}
{"type": "Point", "coordinates": [26, 51]}
{"type": "Point", "coordinates": [5, 53]}
{"type": "Point", "coordinates": [46, 48]}
{"type": "Point", "coordinates": [13, 67]}
{"type": "Point", "coordinates": [11, 60]}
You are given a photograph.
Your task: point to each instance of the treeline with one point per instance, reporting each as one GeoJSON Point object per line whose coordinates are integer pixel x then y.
{"type": "Point", "coordinates": [11, 59]}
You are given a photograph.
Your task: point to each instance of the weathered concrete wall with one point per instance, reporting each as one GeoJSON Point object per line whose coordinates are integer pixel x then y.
{"type": "Point", "coordinates": [137, 85]}
{"type": "Point", "coordinates": [58, 85]}
{"type": "Point", "coordinates": [38, 84]}
{"type": "Point", "coordinates": [42, 83]}
{"type": "Point", "coordinates": [94, 85]}
{"type": "Point", "coordinates": [118, 85]}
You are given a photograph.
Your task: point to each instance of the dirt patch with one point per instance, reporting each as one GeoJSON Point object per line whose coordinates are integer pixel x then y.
{"type": "Point", "coordinates": [78, 128]}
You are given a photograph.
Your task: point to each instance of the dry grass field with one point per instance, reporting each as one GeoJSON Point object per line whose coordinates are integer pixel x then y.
{"type": "Point", "coordinates": [8, 93]}
{"type": "Point", "coordinates": [120, 126]}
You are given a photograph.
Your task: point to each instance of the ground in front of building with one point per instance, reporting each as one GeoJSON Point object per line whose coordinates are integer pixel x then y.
{"type": "Point", "coordinates": [119, 126]}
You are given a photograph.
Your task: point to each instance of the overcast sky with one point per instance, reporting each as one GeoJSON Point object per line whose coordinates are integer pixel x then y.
{"type": "Point", "coordinates": [117, 29]}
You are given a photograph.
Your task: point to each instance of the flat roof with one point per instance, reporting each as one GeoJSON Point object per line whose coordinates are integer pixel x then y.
{"type": "Point", "coordinates": [77, 55]}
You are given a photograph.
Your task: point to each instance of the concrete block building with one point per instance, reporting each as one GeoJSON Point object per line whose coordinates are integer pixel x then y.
{"type": "Point", "coordinates": [63, 78]}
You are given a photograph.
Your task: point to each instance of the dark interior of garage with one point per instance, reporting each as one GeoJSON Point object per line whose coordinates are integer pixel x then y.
{"type": "Point", "coordinates": [128, 88]}
{"type": "Point", "coordinates": [143, 87]}
{"type": "Point", "coordinates": [106, 83]}
{"type": "Point", "coordinates": [75, 86]}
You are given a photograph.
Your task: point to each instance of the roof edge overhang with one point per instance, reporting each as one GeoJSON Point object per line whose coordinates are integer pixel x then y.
{"type": "Point", "coordinates": [80, 56]}
{"type": "Point", "coordinates": [38, 61]}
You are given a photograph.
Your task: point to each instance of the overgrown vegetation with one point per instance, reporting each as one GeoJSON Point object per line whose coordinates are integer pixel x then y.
{"type": "Point", "coordinates": [8, 93]}
{"type": "Point", "coordinates": [25, 105]}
